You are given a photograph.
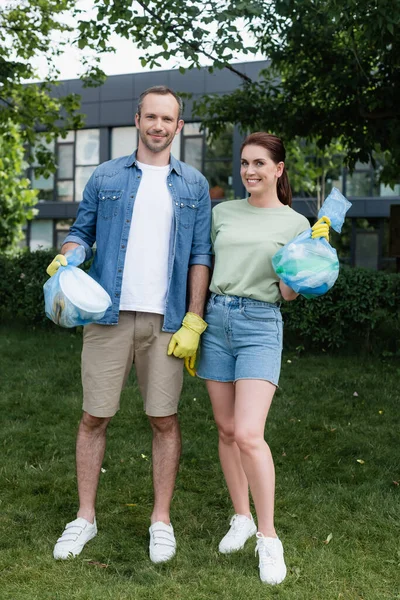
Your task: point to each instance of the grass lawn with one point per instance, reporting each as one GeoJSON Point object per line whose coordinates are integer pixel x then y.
{"type": "Point", "coordinates": [334, 432]}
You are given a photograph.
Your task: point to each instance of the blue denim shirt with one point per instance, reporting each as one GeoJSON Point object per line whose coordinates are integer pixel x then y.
{"type": "Point", "coordinates": [105, 214]}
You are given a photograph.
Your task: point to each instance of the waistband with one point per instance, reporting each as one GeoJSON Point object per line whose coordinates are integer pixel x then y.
{"type": "Point", "coordinates": [242, 301]}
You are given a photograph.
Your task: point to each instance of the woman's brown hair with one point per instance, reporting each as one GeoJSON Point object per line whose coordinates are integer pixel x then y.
{"type": "Point", "coordinates": [277, 152]}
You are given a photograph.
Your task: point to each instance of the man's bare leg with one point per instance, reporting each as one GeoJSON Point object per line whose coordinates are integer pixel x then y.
{"type": "Point", "coordinates": [90, 448]}
{"type": "Point", "coordinates": [166, 453]}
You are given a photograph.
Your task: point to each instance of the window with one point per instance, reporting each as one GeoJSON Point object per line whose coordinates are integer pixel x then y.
{"type": "Point", "coordinates": [61, 231]}
{"type": "Point", "coordinates": [87, 157]}
{"type": "Point", "coordinates": [213, 159]}
{"type": "Point", "coordinates": [78, 154]}
{"type": "Point", "coordinates": [123, 141]}
{"type": "Point", "coordinates": [45, 185]}
{"type": "Point", "coordinates": [218, 164]}
{"type": "Point", "coordinates": [41, 234]}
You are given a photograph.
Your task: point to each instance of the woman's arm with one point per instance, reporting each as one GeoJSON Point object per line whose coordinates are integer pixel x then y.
{"type": "Point", "coordinates": [287, 293]}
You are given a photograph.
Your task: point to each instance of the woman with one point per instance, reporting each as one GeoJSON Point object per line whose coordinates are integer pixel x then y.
{"type": "Point", "coordinates": [241, 348]}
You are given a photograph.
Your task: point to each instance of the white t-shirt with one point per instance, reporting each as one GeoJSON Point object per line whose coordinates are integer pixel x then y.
{"type": "Point", "coordinates": [145, 279]}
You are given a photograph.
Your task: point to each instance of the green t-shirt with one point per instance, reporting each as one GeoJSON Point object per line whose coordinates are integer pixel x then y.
{"type": "Point", "coordinates": [245, 238]}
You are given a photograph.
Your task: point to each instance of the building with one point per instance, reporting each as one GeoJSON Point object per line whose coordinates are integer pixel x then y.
{"type": "Point", "coordinates": [109, 132]}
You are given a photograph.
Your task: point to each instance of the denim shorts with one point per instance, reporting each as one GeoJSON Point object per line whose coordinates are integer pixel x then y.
{"type": "Point", "coordinates": [243, 340]}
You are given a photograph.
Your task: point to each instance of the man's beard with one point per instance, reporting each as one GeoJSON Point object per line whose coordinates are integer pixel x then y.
{"type": "Point", "coordinates": [153, 146]}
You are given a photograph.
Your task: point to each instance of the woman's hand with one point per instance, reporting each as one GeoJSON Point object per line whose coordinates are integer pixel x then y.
{"type": "Point", "coordinates": [287, 293]}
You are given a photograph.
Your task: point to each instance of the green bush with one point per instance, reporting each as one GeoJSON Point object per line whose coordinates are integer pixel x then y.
{"type": "Point", "coordinates": [361, 312]}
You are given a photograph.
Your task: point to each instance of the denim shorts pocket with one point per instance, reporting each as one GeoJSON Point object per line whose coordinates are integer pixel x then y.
{"type": "Point", "coordinates": [109, 201]}
{"type": "Point", "coordinates": [188, 209]}
{"type": "Point", "coordinates": [259, 313]}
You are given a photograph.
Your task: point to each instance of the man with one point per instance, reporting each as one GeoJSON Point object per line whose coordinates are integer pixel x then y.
{"type": "Point", "coordinates": [150, 216]}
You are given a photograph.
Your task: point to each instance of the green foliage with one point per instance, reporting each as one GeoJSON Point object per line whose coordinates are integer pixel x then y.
{"type": "Point", "coordinates": [360, 312]}
{"type": "Point", "coordinates": [30, 30]}
{"type": "Point", "coordinates": [16, 199]}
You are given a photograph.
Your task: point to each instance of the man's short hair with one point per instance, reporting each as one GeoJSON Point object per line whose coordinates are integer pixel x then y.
{"type": "Point", "coordinates": [162, 90]}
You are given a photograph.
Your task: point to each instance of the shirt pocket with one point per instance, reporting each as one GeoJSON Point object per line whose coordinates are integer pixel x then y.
{"type": "Point", "coordinates": [187, 212]}
{"type": "Point", "coordinates": [109, 202]}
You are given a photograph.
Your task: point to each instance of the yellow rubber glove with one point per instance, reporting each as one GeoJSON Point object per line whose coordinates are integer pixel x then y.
{"type": "Point", "coordinates": [55, 264]}
{"type": "Point", "coordinates": [321, 228]}
{"type": "Point", "coordinates": [185, 341]}
{"type": "Point", "coordinates": [190, 362]}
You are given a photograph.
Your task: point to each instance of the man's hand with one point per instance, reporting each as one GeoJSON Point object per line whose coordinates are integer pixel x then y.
{"type": "Point", "coordinates": [56, 263]}
{"type": "Point", "coordinates": [190, 362]}
{"type": "Point", "coordinates": [321, 228]}
{"type": "Point", "coordinates": [185, 341]}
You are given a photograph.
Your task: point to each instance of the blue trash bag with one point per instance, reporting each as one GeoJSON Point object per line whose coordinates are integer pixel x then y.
{"type": "Point", "coordinates": [311, 266]}
{"type": "Point", "coordinates": [72, 297]}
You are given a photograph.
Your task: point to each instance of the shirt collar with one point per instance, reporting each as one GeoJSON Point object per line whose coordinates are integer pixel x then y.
{"type": "Point", "coordinates": [175, 164]}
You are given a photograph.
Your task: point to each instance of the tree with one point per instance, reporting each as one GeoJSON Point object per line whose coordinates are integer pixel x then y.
{"type": "Point", "coordinates": [16, 199]}
{"type": "Point", "coordinates": [334, 67]}
{"type": "Point", "coordinates": [31, 29]}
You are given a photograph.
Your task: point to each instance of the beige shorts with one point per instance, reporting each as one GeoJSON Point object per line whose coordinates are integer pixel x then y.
{"type": "Point", "coordinates": [107, 356]}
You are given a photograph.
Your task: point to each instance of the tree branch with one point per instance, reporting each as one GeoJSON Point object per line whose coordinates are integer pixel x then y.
{"type": "Point", "coordinates": [192, 45]}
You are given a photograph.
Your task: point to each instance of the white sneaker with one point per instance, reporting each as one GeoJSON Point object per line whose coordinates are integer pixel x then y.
{"type": "Point", "coordinates": [272, 564]}
{"type": "Point", "coordinates": [241, 529]}
{"type": "Point", "coordinates": [75, 535]}
{"type": "Point", "coordinates": [162, 542]}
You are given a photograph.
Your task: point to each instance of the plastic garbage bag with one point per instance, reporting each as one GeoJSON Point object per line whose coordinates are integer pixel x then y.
{"type": "Point", "coordinates": [72, 297]}
{"type": "Point", "coordinates": [311, 266]}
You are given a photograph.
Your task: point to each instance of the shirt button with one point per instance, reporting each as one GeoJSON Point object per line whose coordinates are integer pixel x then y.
{"type": "Point", "coordinates": [128, 220]}
{"type": "Point", "coordinates": [138, 176]}
{"type": "Point", "coordinates": [132, 196]}
{"type": "Point", "coordinates": [119, 270]}
{"type": "Point", "coordinates": [122, 246]}
{"type": "Point", "coordinates": [114, 197]}
{"type": "Point", "coordinates": [170, 184]}
{"type": "Point", "coordinates": [117, 295]}
{"type": "Point", "coordinates": [193, 205]}
{"type": "Point", "coordinates": [176, 203]}
{"type": "Point", "coordinates": [182, 204]}
{"type": "Point", "coordinates": [103, 198]}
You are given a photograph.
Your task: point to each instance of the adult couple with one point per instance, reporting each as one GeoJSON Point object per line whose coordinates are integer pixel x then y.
{"type": "Point", "coordinates": [150, 217]}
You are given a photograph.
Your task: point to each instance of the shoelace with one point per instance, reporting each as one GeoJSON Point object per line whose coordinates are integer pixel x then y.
{"type": "Point", "coordinates": [236, 525]}
{"type": "Point", "coordinates": [264, 552]}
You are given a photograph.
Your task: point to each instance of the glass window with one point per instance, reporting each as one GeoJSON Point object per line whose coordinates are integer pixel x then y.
{"type": "Point", "coordinates": [222, 146]}
{"type": "Point", "coordinates": [62, 229]}
{"type": "Point", "coordinates": [192, 129]}
{"type": "Point", "coordinates": [194, 152]}
{"type": "Point", "coordinates": [82, 175]}
{"type": "Point", "coordinates": [69, 139]}
{"type": "Point", "coordinates": [176, 147]}
{"type": "Point", "coordinates": [41, 234]}
{"type": "Point", "coordinates": [65, 161]}
{"type": "Point", "coordinates": [123, 141]}
{"type": "Point", "coordinates": [358, 184]}
{"type": "Point", "coordinates": [45, 185]}
{"type": "Point", "coordinates": [65, 191]}
{"type": "Point", "coordinates": [386, 190]}
{"type": "Point", "coordinates": [219, 177]}
{"type": "Point", "coordinates": [367, 249]}
{"type": "Point", "coordinates": [88, 147]}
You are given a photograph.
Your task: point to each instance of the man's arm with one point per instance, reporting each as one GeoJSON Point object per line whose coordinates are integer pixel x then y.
{"type": "Point", "coordinates": [199, 279]}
